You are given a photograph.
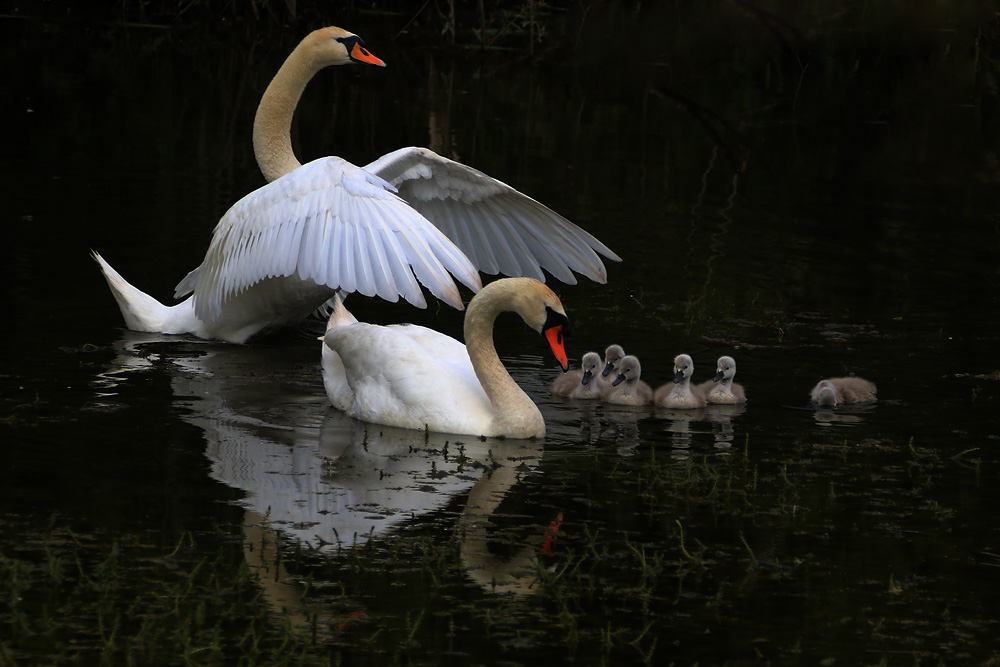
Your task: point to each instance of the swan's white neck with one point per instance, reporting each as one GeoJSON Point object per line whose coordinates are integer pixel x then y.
{"type": "Point", "coordinates": [515, 414]}
{"type": "Point", "coordinates": [272, 126]}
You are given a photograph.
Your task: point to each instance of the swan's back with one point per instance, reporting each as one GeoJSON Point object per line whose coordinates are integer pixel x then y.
{"type": "Point", "coordinates": [406, 375]}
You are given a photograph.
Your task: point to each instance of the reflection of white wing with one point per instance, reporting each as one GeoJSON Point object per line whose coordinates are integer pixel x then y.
{"type": "Point", "coordinates": [336, 225]}
{"type": "Point", "coordinates": [320, 477]}
{"type": "Point", "coordinates": [316, 474]}
{"type": "Point", "coordinates": [338, 485]}
{"type": "Point", "coordinates": [497, 227]}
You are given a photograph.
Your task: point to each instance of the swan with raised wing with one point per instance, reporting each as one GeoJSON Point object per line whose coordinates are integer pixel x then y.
{"type": "Point", "coordinates": [411, 217]}
{"type": "Point", "coordinates": [414, 377]}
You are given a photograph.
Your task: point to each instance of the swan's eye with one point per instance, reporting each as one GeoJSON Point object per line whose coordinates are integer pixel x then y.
{"type": "Point", "coordinates": [357, 52]}
{"type": "Point", "coordinates": [351, 43]}
{"type": "Point", "coordinates": [554, 319]}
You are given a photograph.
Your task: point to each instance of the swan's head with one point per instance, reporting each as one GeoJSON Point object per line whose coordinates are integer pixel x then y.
{"type": "Point", "coordinates": [725, 370]}
{"type": "Point", "coordinates": [683, 368]}
{"type": "Point", "coordinates": [612, 357]}
{"type": "Point", "coordinates": [825, 393]}
{"type": "Point", "coordinates": [629, 370]}
{"type": "Point", "coordinates": [537, 305]}
{"type": "Point", "coordinates": [335, 46]}
{"type": "Point", "coordinates": [591, 363]}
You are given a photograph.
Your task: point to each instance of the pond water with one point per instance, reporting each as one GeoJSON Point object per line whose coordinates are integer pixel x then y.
{"type": "Point", "coordinates": [808, 192]}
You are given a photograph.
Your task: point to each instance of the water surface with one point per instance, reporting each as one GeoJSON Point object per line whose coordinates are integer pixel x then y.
{"type": "Point", "coordinates": [817, 205]}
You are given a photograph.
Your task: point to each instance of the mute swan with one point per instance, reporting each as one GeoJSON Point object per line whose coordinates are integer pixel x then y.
{"type": "Point", "coordinates": [627, 388]}
{"type": "Point", "coordinates": [282, 251]}
{"type": "Point", "coordinates": [612, 358]}
{"type": "Point", "coordinates": [680, 394]}
{"type": "Point", "coordinates": [414, 377]}
{"type": "Point", "coordinates": [580, 383]}
{"type": "Point", "coordinates": [721, 390]}
{"type": "Point", "coordinates": [836, 391]}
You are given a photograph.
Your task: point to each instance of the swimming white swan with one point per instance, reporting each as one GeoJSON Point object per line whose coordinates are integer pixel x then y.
{"type": "Point", "coordinates": [837, 391]}
{"type": "Point", "coordinates": [580, 383]}
{"type": "Point", "coordinates": [627, 388]}
{"type": "Point", "coordinates": [721, 390]}
{"type": "Point", "coordinates": [680, 394]}
{"type": "Point", "coordinates": [281, 251]}
{"type": "Point", "coordinates": [414, 377]}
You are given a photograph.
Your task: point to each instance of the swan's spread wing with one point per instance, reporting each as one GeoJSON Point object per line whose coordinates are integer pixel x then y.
{"type": "Point", "coordinates": [333, 223]}
{"type": "Point", "coordinates": [497, 227]}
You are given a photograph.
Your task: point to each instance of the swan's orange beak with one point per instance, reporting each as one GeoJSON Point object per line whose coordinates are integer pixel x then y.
{"type": "Point", "coordinates": [555, 337]}
{"type": "Point", "coordinates": [363, 55]}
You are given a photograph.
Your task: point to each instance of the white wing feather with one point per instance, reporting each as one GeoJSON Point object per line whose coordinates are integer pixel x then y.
{"type": "Point", "coordinates": [498, 228]}
{"type": "Point", "coordinates": [337, 225]}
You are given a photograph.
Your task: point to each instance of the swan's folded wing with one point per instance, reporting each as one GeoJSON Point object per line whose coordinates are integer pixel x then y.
{"type": "Point", "coordinates": [407, 375]}
{"type": "Point", "coordinates": [333, 223]}
{"type": "Point", "coordinates": [497, 227]}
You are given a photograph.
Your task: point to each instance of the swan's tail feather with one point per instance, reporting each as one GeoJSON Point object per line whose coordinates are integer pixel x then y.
{"type": "Point", "coordinates": [141, 311]}
{"type": "Point", "coordinates": [339, 315]}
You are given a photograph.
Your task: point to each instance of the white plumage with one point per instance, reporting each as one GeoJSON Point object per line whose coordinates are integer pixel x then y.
{"type": "Point", "coordinates": [414, 377]}
{"type": "Point", "coordinates": [408, 219]}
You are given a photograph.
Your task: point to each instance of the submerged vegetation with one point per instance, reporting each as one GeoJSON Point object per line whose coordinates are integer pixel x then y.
{"type": "Point", "coordinates": [100, 599]}
{"type": "Point", "coordinates": [662, 565]}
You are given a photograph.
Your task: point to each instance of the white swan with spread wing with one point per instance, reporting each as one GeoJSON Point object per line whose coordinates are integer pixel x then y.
{"type": "Point", "coordinates": [411, 217]}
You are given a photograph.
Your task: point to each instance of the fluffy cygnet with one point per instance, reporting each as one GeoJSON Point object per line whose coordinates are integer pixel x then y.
{"type": "Point", "coordinates": [721, 389]}
{"type": "Point", "coordinates": [627, 388]}
{"type": "Point", "coordinates": [680, 394]}
{"type": "Point", "coordinates": [580, 383]}
{"type": "Point", "coordinates": [612, 358]}
{"type": "Point", "coordinates": [842, 391]}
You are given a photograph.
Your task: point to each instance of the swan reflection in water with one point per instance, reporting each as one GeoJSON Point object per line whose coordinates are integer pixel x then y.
{"type": "Point", "coordinates": [849, 415]}
{"type": "Point", "coordinates": [312, 474]}
{"type": "Point", "coordinates": [680, 425]}
{"type": "Point", "coordinates": [596, 423]}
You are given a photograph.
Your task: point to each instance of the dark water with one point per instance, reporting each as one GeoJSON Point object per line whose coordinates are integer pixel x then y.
{"type": "Point", "coordinates": [816, 196]}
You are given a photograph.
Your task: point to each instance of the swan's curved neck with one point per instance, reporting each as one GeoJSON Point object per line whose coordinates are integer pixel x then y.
{"type": "Point", "coordinates": [272, 126]}
{"type": "Point", "coordinates": [514, 412]}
